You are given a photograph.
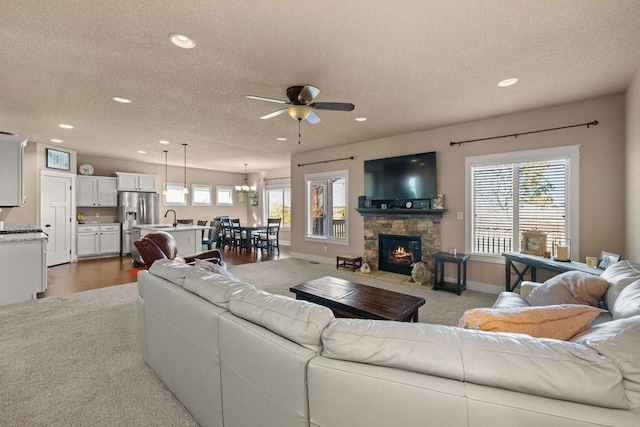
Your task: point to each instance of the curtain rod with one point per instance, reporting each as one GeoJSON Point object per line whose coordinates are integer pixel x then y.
{"type": "Point", "coordinates": [280, 177]}
{"type": "Point", "coordinates": [325, 161]}
{"type": "Point", "coordinates": [515, 135]}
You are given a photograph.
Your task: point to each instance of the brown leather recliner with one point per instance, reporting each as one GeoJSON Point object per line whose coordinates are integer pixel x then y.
{"type": "Point", "coordinates": [161, 245]}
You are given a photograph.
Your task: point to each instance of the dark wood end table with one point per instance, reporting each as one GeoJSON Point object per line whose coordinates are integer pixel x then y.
{"type": "Point", "coordinates": [348, 299]}
{"type": "Point", "coordinates": [439, 258]}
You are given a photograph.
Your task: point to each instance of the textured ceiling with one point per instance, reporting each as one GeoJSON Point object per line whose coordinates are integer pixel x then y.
{"type": "Point", "coordinates": [406, 65]}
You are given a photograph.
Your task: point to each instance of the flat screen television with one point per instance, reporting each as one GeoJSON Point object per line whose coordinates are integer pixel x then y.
{"type": "Point", "coordinates": [411, 177]}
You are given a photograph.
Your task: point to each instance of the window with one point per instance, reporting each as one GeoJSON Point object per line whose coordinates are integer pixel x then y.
{"type": "Point", "coordinates": [224, 195]}
{"type": "Point", "coordinates": [326, 206]}
{"type": "Point", "coordinates": [200, 195]}
{"type": "Point", "coordinates": [279, 203]}
{"type": "Point", "coordinates": [510, 193]}
{"type": "Point", "coordinates": [175, 194]}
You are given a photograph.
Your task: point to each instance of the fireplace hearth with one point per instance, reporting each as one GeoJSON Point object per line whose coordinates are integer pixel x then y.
{"type": "Point", "coordinates": [397, 253]}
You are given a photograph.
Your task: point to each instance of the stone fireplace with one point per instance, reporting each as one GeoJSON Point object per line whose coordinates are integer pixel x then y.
{"type": "Point", "coordinates": [425, 226]}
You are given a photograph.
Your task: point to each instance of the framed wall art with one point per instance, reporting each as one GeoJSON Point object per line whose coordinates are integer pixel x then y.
{"type": "Point", "coordinates": [607, 259]}
{"type": "Point", "coordinates": [58, 159]}
{"type": "Point", "coordinates": [534, 242]}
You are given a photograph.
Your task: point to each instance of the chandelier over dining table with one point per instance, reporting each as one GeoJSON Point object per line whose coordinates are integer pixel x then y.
{"type": "Point", "coordinates": [245, 187]}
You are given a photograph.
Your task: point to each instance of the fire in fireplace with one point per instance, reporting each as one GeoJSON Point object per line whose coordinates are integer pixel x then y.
{"type": "Point", "coordinates": [397, 253]}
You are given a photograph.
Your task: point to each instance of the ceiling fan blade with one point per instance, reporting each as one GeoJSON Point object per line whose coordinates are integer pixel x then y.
{"type": "Point", "coordinates": [275, 113]}
{"type": "Point", "coordinates": [335, 106]}
{"type": "Point", "coordinates": [261, 98]}
{"type": "Point", "coordinates": [308, 94]}
{"type": "Point", "coordinates": [313, 118]}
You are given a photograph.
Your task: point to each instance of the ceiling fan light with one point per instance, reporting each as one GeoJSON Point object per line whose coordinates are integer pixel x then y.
{"type": "Point", "coordinates": [300, 112]}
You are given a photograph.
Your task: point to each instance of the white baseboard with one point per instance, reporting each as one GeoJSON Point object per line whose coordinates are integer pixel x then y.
{"type": "Point", "coordinates": [314, 258]}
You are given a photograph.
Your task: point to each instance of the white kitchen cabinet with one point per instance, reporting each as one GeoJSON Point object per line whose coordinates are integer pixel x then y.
{"type": "Point", "coordinates": [136, 182]}
{"type": "Point", "coordinates": [12, 170]}
{"type": "Point", "coordinates": [96, 191]}
{"type": "Point", "coordinates": [95, 240]}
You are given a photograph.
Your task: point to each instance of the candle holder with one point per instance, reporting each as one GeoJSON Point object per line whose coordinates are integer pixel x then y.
{"type": "Point", "coordinates": [562, 250]}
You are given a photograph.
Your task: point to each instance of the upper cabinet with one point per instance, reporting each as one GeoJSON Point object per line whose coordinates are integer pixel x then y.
{"type": "Point", "coordinates": [98, 191]}
{"type": "Point", "coordinates": [136, 182]}
{"type": "Point", "coordinates": [11, 170]}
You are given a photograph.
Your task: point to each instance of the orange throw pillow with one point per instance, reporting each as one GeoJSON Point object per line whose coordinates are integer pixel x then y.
{"type": "Point", "coordinates": [561, 321]}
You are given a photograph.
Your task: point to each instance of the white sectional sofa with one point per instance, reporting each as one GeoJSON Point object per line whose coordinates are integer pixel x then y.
{"type": "Point", "coordinates": [237, 356]}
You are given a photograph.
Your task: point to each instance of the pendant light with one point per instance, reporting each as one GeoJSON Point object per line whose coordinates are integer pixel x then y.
{"type": "Point", "coordinates": [165, 191]}
{"type": "Point", "coordinates": [185, 189]}
{"type": "Point", "coordinates": [245, 187]}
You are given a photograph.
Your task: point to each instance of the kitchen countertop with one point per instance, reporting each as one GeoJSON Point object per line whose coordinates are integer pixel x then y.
{"type": "Point", "coordinates": [170, 228]}
{"type": "Point", "coordinates": [22, 235]}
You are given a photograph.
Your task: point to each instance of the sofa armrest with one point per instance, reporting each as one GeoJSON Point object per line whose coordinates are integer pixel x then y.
{"type": "Point", "coordinates": [526, 287]}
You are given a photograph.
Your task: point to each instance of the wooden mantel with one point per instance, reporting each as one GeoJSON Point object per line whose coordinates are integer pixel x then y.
{"type": "Point", "coordinates": [401, 212]}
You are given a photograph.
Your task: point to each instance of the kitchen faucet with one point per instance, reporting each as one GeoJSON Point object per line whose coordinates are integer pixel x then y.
{"type": "Point", "coordinates": [175, 221]}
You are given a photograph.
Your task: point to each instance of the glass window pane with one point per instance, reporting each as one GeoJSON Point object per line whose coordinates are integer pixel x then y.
{"type": "Point", "coordinates": [327, 205]}
{"type": "Point", "coordinates": [509, 198]}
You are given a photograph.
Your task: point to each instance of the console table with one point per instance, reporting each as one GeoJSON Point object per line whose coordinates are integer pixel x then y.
{"type": "Point", "coordinates": [533, 262]}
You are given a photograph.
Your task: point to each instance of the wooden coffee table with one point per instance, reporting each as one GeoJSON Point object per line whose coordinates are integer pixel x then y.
{"type": "Point", "coordinates": [348, 299]}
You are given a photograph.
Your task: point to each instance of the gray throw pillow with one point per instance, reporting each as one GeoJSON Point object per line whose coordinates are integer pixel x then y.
{"type": "Point", "coordinates": [572, 287]}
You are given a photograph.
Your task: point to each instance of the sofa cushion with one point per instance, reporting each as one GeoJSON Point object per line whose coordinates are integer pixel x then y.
{"type": "Point", "coordinates": [620, 275]}
{"type": "Point", "coordinates": [171, 270]}
{"type": "Point", "coordinates": [571, 287]}
{"type": "Point", "coordinates": [214, 287]}
{"type": "Point", "coordinates": [561, 321]}
{"type": "Point", "coordinates": [618, 340]}
{"type": "Point", "coordinates": [542, 367]}
{"type": "Point", "coordinates": [628, 302]}
{"type": "Point", "coordinates": [299, 321]}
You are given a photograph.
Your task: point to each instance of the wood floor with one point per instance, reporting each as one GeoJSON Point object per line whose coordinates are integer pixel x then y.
{"type": "Point", "coordinates": [102, 272]}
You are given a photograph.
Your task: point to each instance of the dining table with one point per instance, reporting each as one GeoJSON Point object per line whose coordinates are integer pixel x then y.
{"type": "Point", "coordinates": [248, 231]}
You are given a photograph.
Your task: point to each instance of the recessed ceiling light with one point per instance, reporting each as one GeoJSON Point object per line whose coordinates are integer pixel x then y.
{"type": "Point", "coordinates": [63, 126]}
{"type": "Point", "coordinates": [59, 141]}
{"type": "Point", "coordinates": [361, 119]}
{"type": "Point", "coordinates": [507, 82]}
{"type": "Point", "coordinates": [142, 152]}
{"type": "Point", "coordinates": [182, 41]}
{"type": "Point", "coordinates": [121, 100]}
{"type": "Point", "coordinates": [281, 139]}
{"type": "Point", "coordinates": [164, 142]}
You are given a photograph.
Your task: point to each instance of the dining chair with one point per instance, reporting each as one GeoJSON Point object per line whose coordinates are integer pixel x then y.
{"type": "Point", "coordinates": [185, 221]}
{"type": "Point", "coordinates": [270, 238]}
{"type": "Point", "coordinates": [225, 237]}
{"type": "Point", "coordinates": [239, 235]}
{"type": "Point", "coordinates": [211, 238]}
{"type": "Point", "coordinates": [204, 240]}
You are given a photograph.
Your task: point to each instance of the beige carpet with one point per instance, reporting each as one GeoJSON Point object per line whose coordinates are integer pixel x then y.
{"type": "Point", "coordinates": [73, 360]}
{"type": "Point", "coordinates": [440, 307]}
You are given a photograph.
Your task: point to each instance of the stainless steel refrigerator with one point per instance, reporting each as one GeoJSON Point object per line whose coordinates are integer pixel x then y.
{"type": "Point", "coordinates": [135, 208]}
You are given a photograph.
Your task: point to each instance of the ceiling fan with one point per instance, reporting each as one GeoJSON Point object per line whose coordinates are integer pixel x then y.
{"type": "Point", "coordinates": [300, 104]}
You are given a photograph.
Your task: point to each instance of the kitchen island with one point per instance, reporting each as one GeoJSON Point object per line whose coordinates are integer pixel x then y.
{"type": "Point", "coordinates": [188, 237]}
{"type": "Point", "coordinates": [23, 266]}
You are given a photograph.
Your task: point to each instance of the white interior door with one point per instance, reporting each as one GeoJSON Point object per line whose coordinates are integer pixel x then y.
{"type": "Point", "coordinates": [56, 216]}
